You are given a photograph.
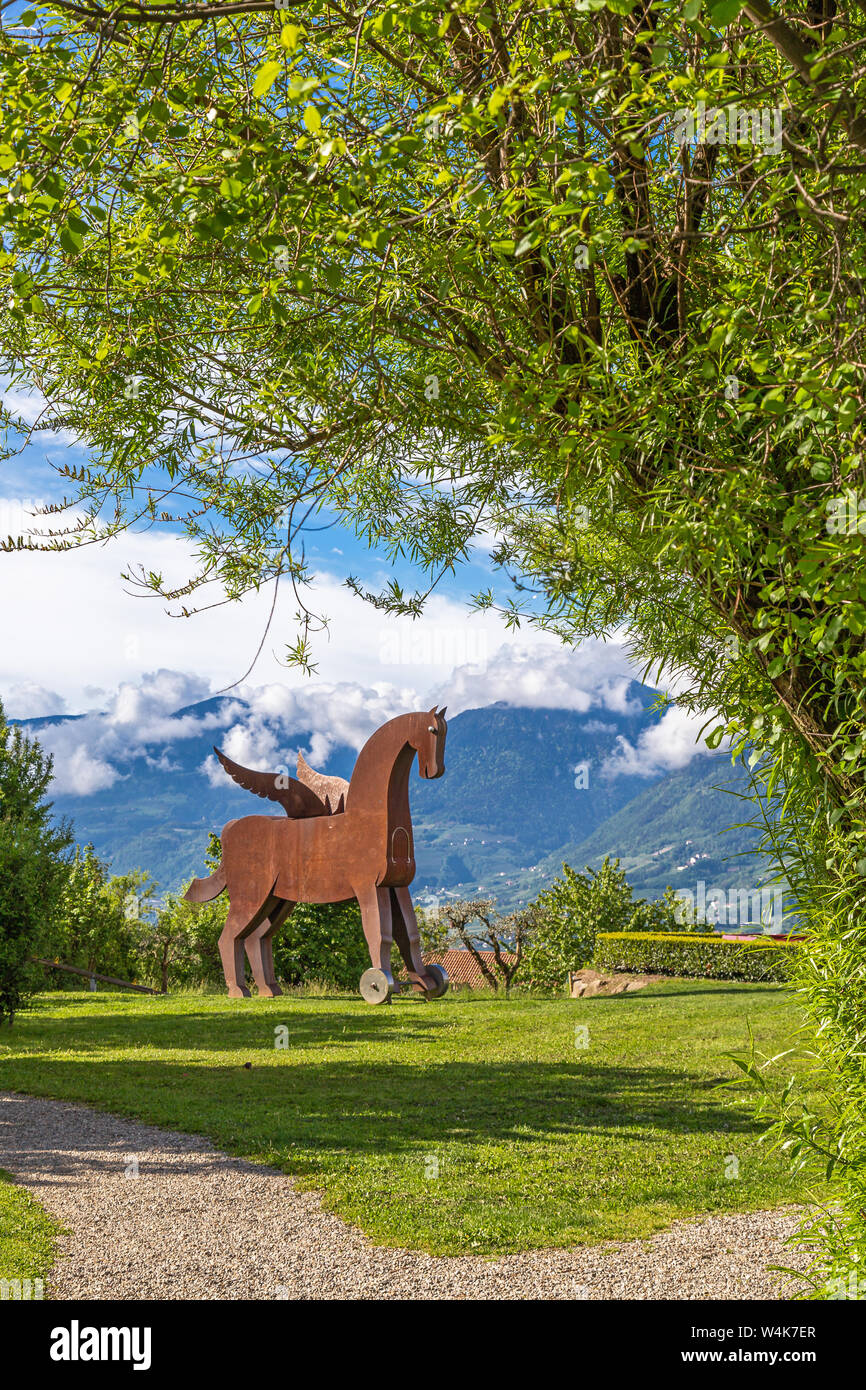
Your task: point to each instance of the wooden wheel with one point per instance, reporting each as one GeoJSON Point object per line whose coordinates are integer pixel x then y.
{"type": "Point", "coordinates": [374, 987]}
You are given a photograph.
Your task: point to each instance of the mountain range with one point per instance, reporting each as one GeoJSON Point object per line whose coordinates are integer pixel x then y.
{"type": "Point", "coordinates": [524, 790]}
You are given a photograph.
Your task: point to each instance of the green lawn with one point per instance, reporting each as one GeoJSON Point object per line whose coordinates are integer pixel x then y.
{"type": "Point", "coordinates": [26, 1234]}
{"type": "Point", "coordinates": [536, 1141]}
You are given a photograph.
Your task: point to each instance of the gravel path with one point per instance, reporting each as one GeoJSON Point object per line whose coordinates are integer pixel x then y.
{"type": "Point", "coordinates": [196, 1223]}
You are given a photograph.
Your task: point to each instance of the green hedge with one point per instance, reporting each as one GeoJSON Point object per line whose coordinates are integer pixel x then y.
{"type": "Point", "coordinates": [678, 953]}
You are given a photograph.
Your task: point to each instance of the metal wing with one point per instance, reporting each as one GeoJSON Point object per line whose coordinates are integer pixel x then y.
{"type": "Point", "coordinates": [297, 800]}
{"type": "Point", "coordinates": [331, 790]}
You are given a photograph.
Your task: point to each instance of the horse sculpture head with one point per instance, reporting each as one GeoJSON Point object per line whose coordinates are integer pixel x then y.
{"type": "Point", "coordinates": [428, 739]}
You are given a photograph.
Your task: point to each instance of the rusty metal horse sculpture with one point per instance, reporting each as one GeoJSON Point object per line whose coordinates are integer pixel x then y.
{"type": "Point", "coordinates": [341, 840]}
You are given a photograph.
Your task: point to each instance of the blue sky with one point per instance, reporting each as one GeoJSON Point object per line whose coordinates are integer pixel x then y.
{"type": "Point", "coordinates": [32, 474]}
{"type": "Point", "coordinates": [75, 628]}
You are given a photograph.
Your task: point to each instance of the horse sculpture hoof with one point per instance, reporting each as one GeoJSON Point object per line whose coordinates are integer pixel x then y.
{"type": "Point", "coordinates": [441, 976]}
{"type": "Point", "coordinates": [375, 987]}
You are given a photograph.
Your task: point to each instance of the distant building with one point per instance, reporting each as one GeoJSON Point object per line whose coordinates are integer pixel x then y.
{"type": "Point", "coordinates": [463, 969]}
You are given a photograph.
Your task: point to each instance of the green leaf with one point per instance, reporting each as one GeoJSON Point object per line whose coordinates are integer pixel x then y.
{"type": "Point", "coordinates": [379, 239]}
{"type": "Point", "coordinates": [231, 188]}
{"type": "Point", "coordinates": [71, 241]}
{"type": "Point", "coordinates": [289, 36]}
{"type": "Point", "coordinates": [312, 119]}
{"type": "Point", "coordinates": [266, 77]}
{"type": "Point", "coordinates": [723, 12]}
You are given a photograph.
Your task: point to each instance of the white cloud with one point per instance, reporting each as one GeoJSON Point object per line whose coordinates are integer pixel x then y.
{"type": "Point", "coordinates": [162, 693]}
{"type": "Point", "coordinates": [264, 726]}
{"type": "Point", "coordinates": [77, 771]}
{"type": "Point", "coordinates": [543, 674]}
{"type": "Point", "coordinates": [316, 718]}
{"type": "Point", "coordinates": [91, 752]}
{"type": "Point", "coordinates": [71, 626]}
{"type": "Point", "coordinates": [670, 744]}
{"type": "Point", "coordinates": [72, 632]}
{"type": "Point", "coordinates": [30, 407]}
{"type": "Point", "coordinates": [31, 701]}
{"type": "Point", "coordinates": [266, 730]}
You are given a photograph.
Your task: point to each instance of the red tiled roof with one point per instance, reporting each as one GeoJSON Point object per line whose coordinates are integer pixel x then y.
{"type": "Point", "coordinates": [462, 967]}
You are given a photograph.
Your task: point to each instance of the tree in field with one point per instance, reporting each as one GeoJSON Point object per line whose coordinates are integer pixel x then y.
{"type": "Point", "coordinates": [176, 944]}
{"type": "Point", "coordinates": [587, 275]}
{"type": "Point", "coordinates": [97, 918]}
{"type": "Point", "coordinates": [33, 865]}
{"type": "Point", "coordinates": [476, 926]}
{"type": "Point", "coordinates": [576, 907]}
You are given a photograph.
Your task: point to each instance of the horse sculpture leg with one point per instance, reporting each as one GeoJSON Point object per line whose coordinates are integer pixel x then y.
{"type": "Point", "coordinates": [239, 922]}
{"type": "Point", "coordinates": [425, 979]}
{"type": "Point", "coordinates": [284, 911]}
{"type": "Point", "coordinates": [375, 905]}
{"type": "Point", "coordinates": [260, 949]}
{"type": "Point", "coordinates": [246, 916]}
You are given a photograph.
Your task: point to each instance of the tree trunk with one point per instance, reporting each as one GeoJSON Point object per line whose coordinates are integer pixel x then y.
{"type": "Point", "coordinates": [479, 960]}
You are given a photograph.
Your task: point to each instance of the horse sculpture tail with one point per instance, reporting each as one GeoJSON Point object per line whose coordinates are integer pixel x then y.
{"type": "Point", "coordinates": [203, 890]}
